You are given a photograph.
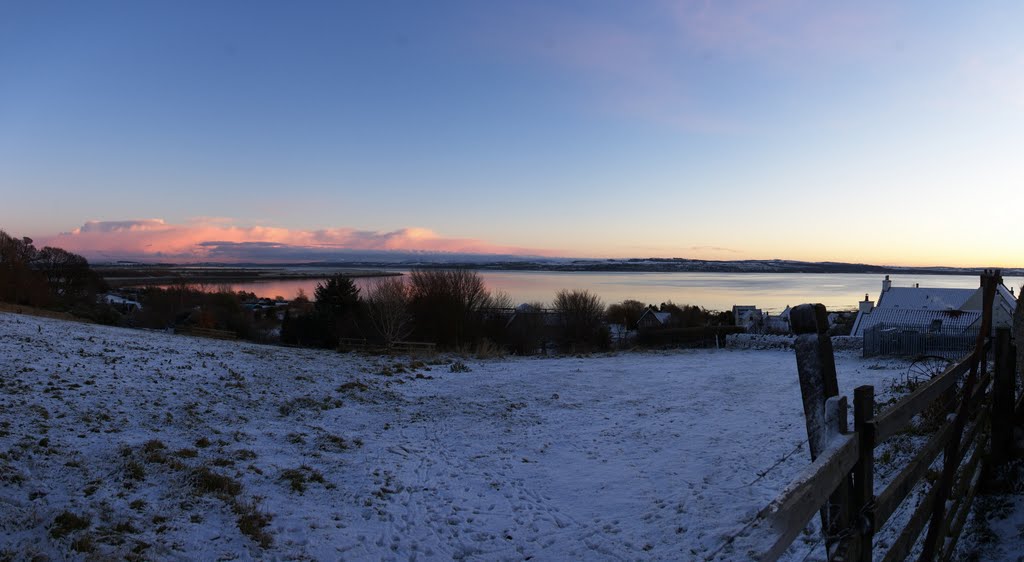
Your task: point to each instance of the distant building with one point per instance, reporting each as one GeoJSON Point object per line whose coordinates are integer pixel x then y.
{"type": "Point", "coordinates": [122, 304]}
{"type": "Point", "coordinates": [932, 308]}
{"type": "Point", "coordinates": [920, 317]}
{"type": "Point", "coordinates": [779, 323]}
{"type": "Point", "coordinates": [749, 317]}
{"type": "Point", "coordinates": [652, 319]}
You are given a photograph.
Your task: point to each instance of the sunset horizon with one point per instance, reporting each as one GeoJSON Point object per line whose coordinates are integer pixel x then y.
{"type": "Point", "coordinates": [205, 240]}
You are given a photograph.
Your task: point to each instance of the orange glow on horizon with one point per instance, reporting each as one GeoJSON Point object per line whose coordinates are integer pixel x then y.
{"type": "Point", "coordinates": [209, 239]}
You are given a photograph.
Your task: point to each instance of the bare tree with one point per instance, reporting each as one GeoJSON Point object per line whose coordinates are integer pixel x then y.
{"type": "Point", "coordinates": [388, 309]}
{"type": "Point", "coordinates": [447, 304]}
{"type": "Point", "coordinates": [581, 316]}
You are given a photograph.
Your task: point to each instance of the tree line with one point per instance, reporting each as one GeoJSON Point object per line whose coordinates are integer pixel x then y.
{"type": "Point", "coordinates": [50, 278]}
{"type": "Point", "coordinates": [454, 310]}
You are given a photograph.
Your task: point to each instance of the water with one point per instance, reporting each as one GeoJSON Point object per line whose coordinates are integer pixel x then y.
{"type": "Point", "coordinates": [717, 291]}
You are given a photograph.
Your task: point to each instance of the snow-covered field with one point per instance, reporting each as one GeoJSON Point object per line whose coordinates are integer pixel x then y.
{"type": "Point", "coordinates": [128, 443]}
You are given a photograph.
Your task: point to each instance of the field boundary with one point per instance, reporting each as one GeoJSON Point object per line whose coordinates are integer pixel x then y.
{"type": "Point", "coordinates": [975, 409]}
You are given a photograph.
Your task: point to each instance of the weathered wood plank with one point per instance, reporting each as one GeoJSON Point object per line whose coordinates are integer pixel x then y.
{"type": "Point", "coordinates": [1003, 394]}
{"type": "Point", "coordinates": [891, 421]}
{"type": "Point", "coordinates": [901, 546]}
{"type": "Point", "coordinates": [971, 478]}
{"type": "Point", "coordinates": [787, 516]}
{"type": "Point", "coordinates": [864, 470]}
{"type": "Point", "coordinates": [893, 495]}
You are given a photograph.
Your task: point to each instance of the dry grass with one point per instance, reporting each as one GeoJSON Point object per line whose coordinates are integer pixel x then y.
{"type": "Point", "coordinates": [66, 523]}
{"type": "Point", "coordinates": [207, 481]}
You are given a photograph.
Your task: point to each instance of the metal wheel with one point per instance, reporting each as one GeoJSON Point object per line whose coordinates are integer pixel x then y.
{"type": "Point", "coordinates": [925, 368]}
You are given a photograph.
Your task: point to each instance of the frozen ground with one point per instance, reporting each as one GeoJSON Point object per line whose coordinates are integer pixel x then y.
{"type": "Point", "coordinates": [137, 444]}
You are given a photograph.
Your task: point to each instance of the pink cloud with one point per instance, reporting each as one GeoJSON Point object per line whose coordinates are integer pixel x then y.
{"type": "Point", "coordinates": [220, 240]}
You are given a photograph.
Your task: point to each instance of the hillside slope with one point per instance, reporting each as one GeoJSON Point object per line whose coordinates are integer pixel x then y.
{"type": "Point", "coordinates": [140, 444]}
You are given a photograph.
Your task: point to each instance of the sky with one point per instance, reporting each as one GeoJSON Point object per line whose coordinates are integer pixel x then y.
{"type": "Point", "coordinates": [873, 132]}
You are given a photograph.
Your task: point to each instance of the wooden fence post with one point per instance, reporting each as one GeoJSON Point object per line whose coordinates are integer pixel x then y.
{"type": "Point", "coordinates": [1003, 394]}
{"type": "Point", "coordinates": [862, 506]}
{"type": "Point", "coordinates": [816, 367]}
{"type": "Point", "coordinates": [990, 280]}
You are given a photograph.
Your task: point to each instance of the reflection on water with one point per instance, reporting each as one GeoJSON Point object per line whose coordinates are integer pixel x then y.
{"type": "Point", "coordinates": [770, 291]}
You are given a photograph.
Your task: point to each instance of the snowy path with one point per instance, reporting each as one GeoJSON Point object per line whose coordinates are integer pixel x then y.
{"type": "Point", "coordinates": [630, 456]}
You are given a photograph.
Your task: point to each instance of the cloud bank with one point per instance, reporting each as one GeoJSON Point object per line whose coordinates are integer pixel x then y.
{"type": "Point", "coordinates": [219, 240]}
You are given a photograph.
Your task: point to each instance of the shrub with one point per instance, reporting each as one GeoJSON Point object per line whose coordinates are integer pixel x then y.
{"type": "Point", "coordinates": [388, 303]}
{"type": "Point", "coordinates": [447, 305]}
{"type": "Point", "coordinates": [627, 313]}
{"type": "Point", "coordinates": [581, 321]}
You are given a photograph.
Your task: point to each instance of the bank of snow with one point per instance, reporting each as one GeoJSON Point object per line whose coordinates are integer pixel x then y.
{"type": "Point", "coordinates": [128, 443]}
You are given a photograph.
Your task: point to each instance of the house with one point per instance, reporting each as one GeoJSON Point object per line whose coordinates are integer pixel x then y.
{"type": "Point", "coordinates": [122, 304]}
{"type": "Point", "coordinates": [748, 316]}
{"type": "Point", "coordinates": [652, 319]}
{"type": "Point", "coordinates": [530, 329]}
{"type": "Point", "coordinates": [926, 320]}
{"type": "Point", "coordinates": [779, 323]}
{"type": "Point", "coordinates": [933, 309]}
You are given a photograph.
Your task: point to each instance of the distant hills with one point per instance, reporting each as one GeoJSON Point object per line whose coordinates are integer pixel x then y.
{"type": "Point", "coordinates": [406, 260]}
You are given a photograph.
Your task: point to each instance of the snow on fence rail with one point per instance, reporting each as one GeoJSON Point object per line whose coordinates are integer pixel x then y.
{"type": "Point", "coordinates": [840, 481]}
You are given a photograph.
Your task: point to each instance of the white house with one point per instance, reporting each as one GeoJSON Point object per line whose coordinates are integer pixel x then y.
{"type": "Point", "coordinates": [928, 309]}
{"type": "Point", "coordinates": [748, 316]}
{"type": "Point", "coordinates": [779, 323]}
{"type": "Point", "coordinates": [121, 303]}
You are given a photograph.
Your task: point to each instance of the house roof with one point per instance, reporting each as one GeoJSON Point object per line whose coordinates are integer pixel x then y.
{"type": "Point", "coordinates": [662, 317]}
{"type": "Point", "coordinates": [955, 321]}
{"type": "Point", "coordinates": [117, 299]}
{"type": "Point", "coordinates": [924, 298]}
{"type": "Point", "coordinates": [1008, 302]}
{"type": "Point", "coordinates": [916, 301]}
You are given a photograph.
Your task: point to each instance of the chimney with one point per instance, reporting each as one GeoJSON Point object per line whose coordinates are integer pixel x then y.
{"type": "Point", "coordinates": [885, 284]}
{"type": "Point", "coordinates": [865, 305]}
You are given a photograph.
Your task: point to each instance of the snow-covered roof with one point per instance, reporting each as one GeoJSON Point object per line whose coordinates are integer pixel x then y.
{"type": "Point", "coordinates": [924, 298]}
{"type": "Point", "coordinates": [1005, 299]}
{"type": "Point", "coordinates": [661, 317]}
{"type": "Point", "coordinates": [955, 321]}
{"type": "Point", "coordinates": [117, 299]}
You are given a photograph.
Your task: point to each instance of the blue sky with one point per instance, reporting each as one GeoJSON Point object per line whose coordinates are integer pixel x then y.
{"type": "Point", "coordinates": [876, 132]}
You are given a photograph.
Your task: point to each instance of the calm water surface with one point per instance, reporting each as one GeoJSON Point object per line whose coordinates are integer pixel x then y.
{"type": "Point", "coordinates": [769, 291]}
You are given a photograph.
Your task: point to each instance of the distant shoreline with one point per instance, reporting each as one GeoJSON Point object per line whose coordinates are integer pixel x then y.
{"type": "Point", "coordinates": [242, 272]}
{"type": "Point", "coordinates": [120, 277]}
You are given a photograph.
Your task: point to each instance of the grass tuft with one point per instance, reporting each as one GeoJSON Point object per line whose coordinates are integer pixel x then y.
{"type": "Point", "coordinates": [68, 522]}
{"type": "Point", "coordinates": [207, 481]}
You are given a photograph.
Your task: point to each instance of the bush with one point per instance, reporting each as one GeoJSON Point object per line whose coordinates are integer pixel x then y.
{"type": "Point", "coordinates": [447, 306]}
{"type": "Point", "coordinates": [581, 321]}
{"type": "Point", "coordinates": [387, 304]}
{"type": "Point", "coordinates": [627, 313]}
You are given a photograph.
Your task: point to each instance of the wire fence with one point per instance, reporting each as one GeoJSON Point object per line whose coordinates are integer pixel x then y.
{"type": "Point", "coordinates": [885, 339]}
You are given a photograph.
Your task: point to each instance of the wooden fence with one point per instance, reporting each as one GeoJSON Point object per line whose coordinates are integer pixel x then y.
{"type": "Point", "coordinates": [359, 344]}
{"type": "Point", "coordinates": [208, 333]}
{"type": "Point", "coordinates": [979, 408]}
